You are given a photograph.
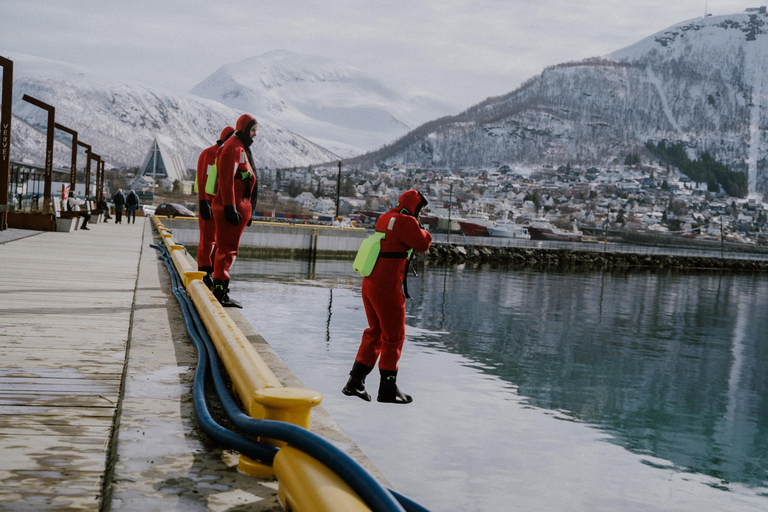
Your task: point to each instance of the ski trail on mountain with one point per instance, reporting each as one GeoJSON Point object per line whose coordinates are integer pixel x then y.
{"type": "Point", "coordinates": [755, 58]}
{"type": "Point", "coordinates": [663, 97]}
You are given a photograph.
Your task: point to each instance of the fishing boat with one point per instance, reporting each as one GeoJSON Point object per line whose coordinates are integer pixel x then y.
{"type": "Point", "coordinates": [542, 229]}
{"type": "Point", "coordinates": [475, 224]}
{"type": "Point", "coordinates": [508, 230]}
{"type": "Point", "coordinates": [505, 228]}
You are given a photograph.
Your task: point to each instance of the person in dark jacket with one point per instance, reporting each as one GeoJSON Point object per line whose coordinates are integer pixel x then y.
{"type": "Point", "coordinates": [384, 300]}
{"type": "Point", "coordinates": [206, 249]}
{"type": "Point", "coordinates": [119, 200]}
{"type": "Point", "coordinates": [131, 205]}
{"type": "Point", "coordinates": [233, 203]}
{"type": "Point", "coordinates": [102, 205]}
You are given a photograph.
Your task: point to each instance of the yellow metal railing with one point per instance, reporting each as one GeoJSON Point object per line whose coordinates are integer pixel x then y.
{"type": "Point", "coordinates": [305, 484]}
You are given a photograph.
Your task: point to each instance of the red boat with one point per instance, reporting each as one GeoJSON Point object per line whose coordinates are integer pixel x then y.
{"type": "Point", "coordinates": [541, 229]}
{"type": "Point", "coordinates": [472, 229]}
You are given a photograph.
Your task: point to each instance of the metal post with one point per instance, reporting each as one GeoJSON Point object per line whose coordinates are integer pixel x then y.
{"type": "Point", "coordinates": [47, 206]}
{"type": "Point", "coordinates": [73, 165]}
{"type": "Point", "coordinates": [722, 238]}
{"type": "Point", "coordinates": [5, 149]}
{"type": "Point", "coordinates": [338, 190]}
{"type": "Point", "coordinates": [450, 207]}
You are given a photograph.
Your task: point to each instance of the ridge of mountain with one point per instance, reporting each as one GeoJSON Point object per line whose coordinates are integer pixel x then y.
{"type": "Point", "coordinates": [703, 82]}
{"type": "Point", "coordinates": [332, 103]}
{"type": "Point", "coordinates": [121, 119]}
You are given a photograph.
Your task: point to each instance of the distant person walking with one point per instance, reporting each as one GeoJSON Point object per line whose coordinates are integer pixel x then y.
{"type": "Point", "coordinates": [384, 299]}
{"type": "Point", "coordinates": [131, 205]}
{"type": "Point", "coordinates": [233, 203]}
{"type": "Point", "coordinates": [206, 249]}
{"type": "Point", "coordinates": [119, 200]}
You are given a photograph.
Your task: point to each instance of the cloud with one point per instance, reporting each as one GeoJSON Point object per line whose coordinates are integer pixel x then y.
{"type": "Point", "coordinates": [463, 51]}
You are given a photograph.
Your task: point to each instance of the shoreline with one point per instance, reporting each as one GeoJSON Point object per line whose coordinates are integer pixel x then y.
{"type": "Point", "coordinates": [533, 257]}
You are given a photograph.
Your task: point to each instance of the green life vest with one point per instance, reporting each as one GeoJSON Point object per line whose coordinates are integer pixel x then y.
{"type": "Point", "coordinates": [368, 253]}
{"type": "Point", "coordinates": [212, 184]}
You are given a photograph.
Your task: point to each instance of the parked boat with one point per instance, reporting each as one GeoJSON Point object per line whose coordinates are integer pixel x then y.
{"type": "Point", "coordinates": [505, 228]}
{"type": "Point", "coordinates": [475, 224]}
{"type": "Point", "coordinates": [542, 229]}
{"type": "Point", "coordinates": [508, 230]}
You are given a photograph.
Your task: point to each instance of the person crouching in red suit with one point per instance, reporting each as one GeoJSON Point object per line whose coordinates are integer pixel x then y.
{"type": "Point", "coordinates": [206, 248]}
{"type": "Point", "coordinates": [233, 203]}
{"type": "Point", "coordinates": [384, 300]}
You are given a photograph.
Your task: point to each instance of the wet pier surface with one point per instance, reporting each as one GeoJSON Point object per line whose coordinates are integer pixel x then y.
{"type": "Point", "coordinates": [95, 382]}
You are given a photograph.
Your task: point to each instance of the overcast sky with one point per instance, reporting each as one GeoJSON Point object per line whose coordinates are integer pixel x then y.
{"type": "Point", "coordinates": [463, 51]}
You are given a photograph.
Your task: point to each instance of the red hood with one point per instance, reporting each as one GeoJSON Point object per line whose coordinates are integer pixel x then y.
{"type": "Point", "coordinates": [412, 201]}
{"type": "Point", "coordinates": [226, 132]}
{"type": "Point", "coordinates": [244, 123]}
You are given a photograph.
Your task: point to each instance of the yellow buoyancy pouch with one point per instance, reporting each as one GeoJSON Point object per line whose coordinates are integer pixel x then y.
{"type": "Point", "coordinates": [195, 187]}
{"type": "Point", "coordinates": [212, 184]}
{"type": "Point", "coordinates": [368, 254]}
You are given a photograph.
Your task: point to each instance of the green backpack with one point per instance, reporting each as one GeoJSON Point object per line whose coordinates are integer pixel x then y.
{"type": "Point", "coordinates": [368, 253]}
{"type": "Point", "coordinates": [212, 184]}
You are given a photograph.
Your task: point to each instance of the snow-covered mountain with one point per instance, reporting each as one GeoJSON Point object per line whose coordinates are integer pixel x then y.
{"type": "Point", "coordinates": [703, 82]}
{"type": "Point", "coordinates": [331, 103]}
{"type": "Point", "coordinates": [120, 120]}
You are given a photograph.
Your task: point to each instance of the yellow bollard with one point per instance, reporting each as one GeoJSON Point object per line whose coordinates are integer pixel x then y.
{"type": "Point", "coordinates": [192, 275]}
{"type": "Point", "coordinates": [291, 405]}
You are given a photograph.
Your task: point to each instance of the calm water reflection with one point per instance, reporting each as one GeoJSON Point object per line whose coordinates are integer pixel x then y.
{"type": "Point", "coordinates": [670, 367]}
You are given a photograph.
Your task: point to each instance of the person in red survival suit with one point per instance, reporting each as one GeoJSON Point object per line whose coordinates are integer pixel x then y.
{"type": "Point", "coordinates": [206, 247]}
{"type": "Point", "coordinates": [384, 300]}
{"type": "Point", "coordinates": [233, 203]}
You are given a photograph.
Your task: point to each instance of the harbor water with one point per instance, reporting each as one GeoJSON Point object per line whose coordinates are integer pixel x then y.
{"type": "Point", "coordinates": [543, 390]}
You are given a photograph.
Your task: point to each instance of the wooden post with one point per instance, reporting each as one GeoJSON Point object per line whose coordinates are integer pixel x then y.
{"type": "Point", "coordinates": [73, 164]}
{"type": "Point", "coordinates": [47, 205]}
{"type": "Point", "coordinates": [87, 164]}
{"type": "Point", "coordinates": [5, 139]}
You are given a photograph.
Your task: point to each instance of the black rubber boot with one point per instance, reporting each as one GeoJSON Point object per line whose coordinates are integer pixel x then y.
{"type": "Point", "coordinates": [221, 292]}
{"type": "Point", "coordinates": [388, 390]}
{"type": "Point", "coordinates": [356, 383]}
{"type": "Point", "coordinates": [208, 278]}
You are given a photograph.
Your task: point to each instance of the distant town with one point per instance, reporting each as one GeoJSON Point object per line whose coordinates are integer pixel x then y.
{"type": "Point", "coordinates": [636, 198]}
{"type": "Point", "coordinates": [628, 198]}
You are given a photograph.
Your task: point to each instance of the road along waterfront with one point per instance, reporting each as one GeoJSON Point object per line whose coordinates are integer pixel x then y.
{"type": "Point", "coordinates": [544, 390]}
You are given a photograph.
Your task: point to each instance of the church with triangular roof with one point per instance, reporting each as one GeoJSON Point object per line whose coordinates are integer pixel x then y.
{"type": "Point", "coordinates": [160, 164]}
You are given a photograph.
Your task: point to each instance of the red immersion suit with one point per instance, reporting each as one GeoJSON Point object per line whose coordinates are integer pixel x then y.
{"type": "Point", "coordinates": [382, 290]}
{"type": "Point", "coordinates": [207, 248]}
{"type": "Point", "coordinates": [237, 181]}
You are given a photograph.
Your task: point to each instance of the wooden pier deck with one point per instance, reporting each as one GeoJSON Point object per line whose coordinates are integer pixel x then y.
{"type": "Point", "coordinates": [65, 317]}
{"type": "Point", "coordinates": [96, 370]}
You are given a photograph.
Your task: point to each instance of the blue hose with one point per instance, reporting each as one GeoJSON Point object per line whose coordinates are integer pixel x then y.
{"type": "Point", "coordinates": [377, 497]}
{"type": "Point", "coordinates": [232, 440]}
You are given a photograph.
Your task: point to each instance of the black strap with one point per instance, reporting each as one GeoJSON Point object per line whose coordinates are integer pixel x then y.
{"type": "Point", "coordinates": [394, 255]}
{"type": "Point", "coordinates": [405, 279]}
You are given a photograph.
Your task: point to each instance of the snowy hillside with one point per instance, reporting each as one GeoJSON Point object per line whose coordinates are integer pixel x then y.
{"type": "Point", "coordinates": [120, 120]}
{"type": "Point", "coordinates": [703, 82]}
{"type": "Point", "coordinates": [331, 103]}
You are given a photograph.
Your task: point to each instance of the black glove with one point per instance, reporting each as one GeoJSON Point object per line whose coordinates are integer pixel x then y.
{"type": "Point", "coordinates": [205, 209]}
{"type": "Point", "coordinates": [231, 214]}
{"type": "Point", "coordinates": [250, 221]}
